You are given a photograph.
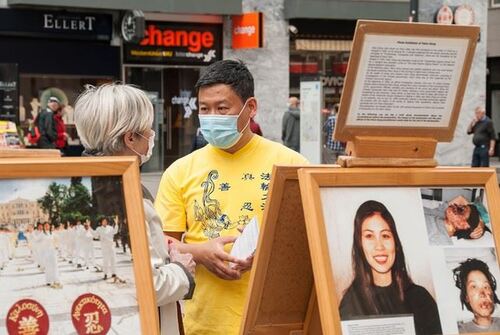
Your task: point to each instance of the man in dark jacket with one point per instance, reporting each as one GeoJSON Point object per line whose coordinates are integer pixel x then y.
{"type": "Point", "coordinates": [47, 125]}
{"type": "Point", "coordinates": [290, 131]}
{"type": "Point", "coordinates": [483, 139]}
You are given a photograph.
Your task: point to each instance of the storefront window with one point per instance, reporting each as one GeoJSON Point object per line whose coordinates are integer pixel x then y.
{"type": "Point", "coordinates": [329, 67]}
{"type": "Point", "coordinates": [36, 89]}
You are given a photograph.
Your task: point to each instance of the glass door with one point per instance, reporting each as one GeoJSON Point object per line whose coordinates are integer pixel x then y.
{"type": "Point", "coordinates": [181, 112]}
{"type": "Point", "coordinates": [151, 81]}
{"type": "Point", "coordinates": [172, 93]}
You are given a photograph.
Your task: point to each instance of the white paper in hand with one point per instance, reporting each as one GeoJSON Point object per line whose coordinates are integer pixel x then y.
{"type": "Point", "coordinates": [246, 244]}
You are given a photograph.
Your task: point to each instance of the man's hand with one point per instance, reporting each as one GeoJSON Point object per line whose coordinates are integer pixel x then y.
{"type": "Point", "coordinates": [491, 152]}
{"type": "Point", "coordinates": [245, 265]}
{"type": "Point", "coordinates": [212, 255]}
{"type": "Point", "coordinates": [478, 231]}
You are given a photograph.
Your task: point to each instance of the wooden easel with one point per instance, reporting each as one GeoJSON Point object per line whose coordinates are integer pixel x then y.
{"type": "Point", "coordinates": [29, 153]}
{"type": "Point", "coordinates": [379, 142]}
{"type": "Point", "coordinates": [376, 151]}
{"type": "Point", "coordinates": [282, 298]}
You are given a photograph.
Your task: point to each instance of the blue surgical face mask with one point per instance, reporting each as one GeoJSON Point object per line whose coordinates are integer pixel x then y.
{"type": "Point", "coordinates": [221, 131]}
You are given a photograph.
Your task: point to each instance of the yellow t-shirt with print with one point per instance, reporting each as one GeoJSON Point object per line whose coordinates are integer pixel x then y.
{"type": "Point", "coordinates": [210, 193]}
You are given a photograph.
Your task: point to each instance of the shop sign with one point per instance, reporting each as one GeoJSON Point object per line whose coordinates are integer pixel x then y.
{"type": "Point", "coordinates": [187, 102]}
{"type": "Point", "coordinates": [332, 81]}
{"type": "Point", "coordinates": [247, 31]}
{"type": "Point", "coordinates": [132, 26]}
{"type": "Point", "coordinates": [9, 92]}
{"type": "Point", "coordinates": [55, 24]}
{"type": "Point", "coordinates": [176, 43]}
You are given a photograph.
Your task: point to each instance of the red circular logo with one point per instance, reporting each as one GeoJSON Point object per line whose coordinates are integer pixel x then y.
{"type": "Point", "coordinates": [90, 315]}
{"type": "Point", "coordinates": [27, 317]}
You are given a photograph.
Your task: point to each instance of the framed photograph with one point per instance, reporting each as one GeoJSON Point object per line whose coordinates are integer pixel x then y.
{"type": "Point", "coordinates": [405, 79]}
{"type": "Point", "coordinates": [74, 256]}
{"type": "Point", "coordinates": [495, 3]}
{"type": "Point", "coordinates": [281, 297]}
{"type": "Point", "coordinates": [404, 251]}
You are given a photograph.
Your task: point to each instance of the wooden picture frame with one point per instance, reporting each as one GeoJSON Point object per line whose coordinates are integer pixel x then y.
{"type": "Point", "coordinates": [281, 299]}
{"type": "Point", "coordinates": [316, 182]}
{"type": "Point", "coordinates": [126, 171]}
{"type": "Point", "coordinates": [397, 126]}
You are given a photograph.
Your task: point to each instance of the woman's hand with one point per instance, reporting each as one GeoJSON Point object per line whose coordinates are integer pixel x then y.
{"type": "Point", "coordinates": [185, 259]}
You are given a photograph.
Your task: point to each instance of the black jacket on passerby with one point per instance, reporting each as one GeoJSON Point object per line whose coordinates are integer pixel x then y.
{"type": "Point", "coordinates": [483, 132]}
{"type": "Point", "coordinates": [47, 128]}
{"type": "Point", "coordinates": [290, 131]}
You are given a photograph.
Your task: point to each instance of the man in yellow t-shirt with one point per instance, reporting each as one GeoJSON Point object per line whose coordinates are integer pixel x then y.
{"type": "Point", "coordinates": [211, 194]}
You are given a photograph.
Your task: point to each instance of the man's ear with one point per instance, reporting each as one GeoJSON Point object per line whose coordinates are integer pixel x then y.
{"type": "Point", "coordinates": [252, 106]}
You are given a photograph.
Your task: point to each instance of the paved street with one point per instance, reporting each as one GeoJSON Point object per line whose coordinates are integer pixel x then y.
{"type": "Point", "coordinates": [22, 279]}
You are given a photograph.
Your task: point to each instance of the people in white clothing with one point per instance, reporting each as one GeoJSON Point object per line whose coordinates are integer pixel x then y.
{"type": "Point", "coordinates": [4, 248]}
{"type": "Point", "coordinates": [70, 237]}
{"type": "Point", "coordinates": [48, 250]}
{"type": "Point", "coordinates": [79, 241]}
{"type": "Point", "coordinates": [87, 247]}
{"type": "Point", "coordinates": [105, 232]}
{"type": "Point", "coordinates": [36, 246]}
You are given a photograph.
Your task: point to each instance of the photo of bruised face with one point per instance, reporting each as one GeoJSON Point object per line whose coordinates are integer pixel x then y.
{"type": "Point", "coordinates": [479, 294]}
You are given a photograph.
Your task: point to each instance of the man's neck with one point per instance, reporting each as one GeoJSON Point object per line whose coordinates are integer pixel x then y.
{"type": "Point", "coordinates": [245, 138]}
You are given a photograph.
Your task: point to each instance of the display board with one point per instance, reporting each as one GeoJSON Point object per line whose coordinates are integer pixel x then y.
{"type": "Point", "coordinates": [405, 79]}
{"type": "Point", "coordinates": [404, 251]}
{"type": "Point", "coordinates": [57, 274]}
{"type": "Point", "coordinates": [281, 297]}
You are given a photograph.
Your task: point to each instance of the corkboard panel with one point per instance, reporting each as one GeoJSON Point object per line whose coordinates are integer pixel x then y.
{"type": "Point", "coordinates": [280, 297]}
{"type": "Point", "coordinates": [289, 276]}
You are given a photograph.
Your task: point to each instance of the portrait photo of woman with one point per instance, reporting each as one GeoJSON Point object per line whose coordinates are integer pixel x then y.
{"type": "Point", "coordinates": [382, 284]}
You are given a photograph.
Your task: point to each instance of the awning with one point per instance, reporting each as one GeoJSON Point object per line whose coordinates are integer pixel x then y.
{"type": "Point", "coordinates": [323, 45]}
{"type": "Point", "coordinates": [348, 9]}
{"type": "Point", "coordinates": [220, 7]}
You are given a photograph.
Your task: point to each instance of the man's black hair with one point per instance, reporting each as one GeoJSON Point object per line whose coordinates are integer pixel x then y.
{"type": "Point", "coordinates": [233, 73]}
{"type": "Point", "coordinates": [461, 273]}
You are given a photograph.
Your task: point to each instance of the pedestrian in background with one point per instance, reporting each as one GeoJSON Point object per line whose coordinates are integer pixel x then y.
{"type": "Point", "coordinates": [47, 125]}
{"type": "Point", "coordinates": [62, 136]}
{"type": "Point", "coordinates": [255, 127]}
{"type": "Point", "coordinates": [290, 128]}
{"type": "Point", "coordinates": [484, 138]}
{"type": "Point", "coordinates": [332, 148]}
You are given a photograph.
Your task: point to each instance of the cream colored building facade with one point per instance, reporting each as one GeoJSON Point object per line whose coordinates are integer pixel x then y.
{"type": "Point", "coordinates": [18, 213]}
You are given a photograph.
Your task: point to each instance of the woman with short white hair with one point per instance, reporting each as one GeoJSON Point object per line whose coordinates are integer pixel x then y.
{"type": "Point", "coordinates": [116, 120]}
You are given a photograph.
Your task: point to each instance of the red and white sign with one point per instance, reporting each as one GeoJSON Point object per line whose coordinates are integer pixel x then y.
{"type": "Point", "coordinates": [27, 316]}
{"type": "Point", "coordinates": [247, 31]}
{"type": "Point", "coordinates": [91, 315]}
